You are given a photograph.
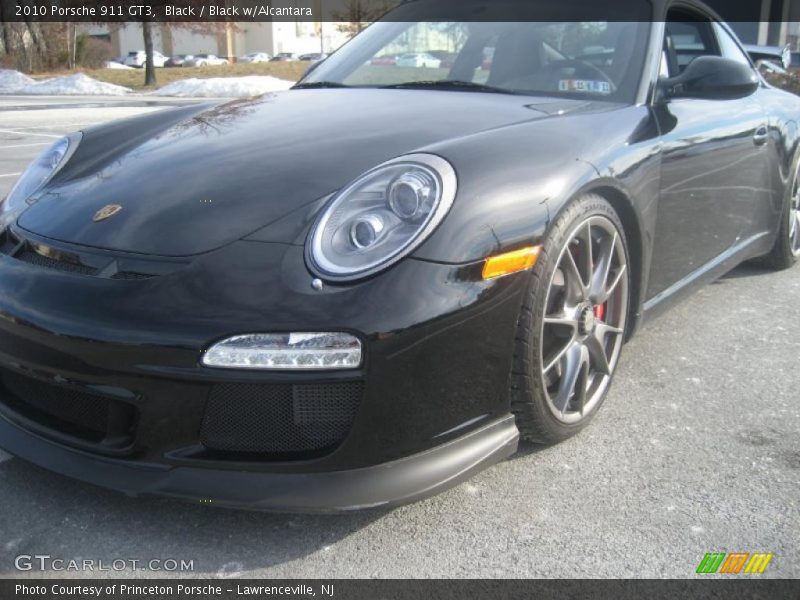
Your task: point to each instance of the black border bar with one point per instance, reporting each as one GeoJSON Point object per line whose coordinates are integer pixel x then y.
{"type": "Point", "coordinates": [742, 587]}
{"type": "Point", "coordinates": [199, 11]}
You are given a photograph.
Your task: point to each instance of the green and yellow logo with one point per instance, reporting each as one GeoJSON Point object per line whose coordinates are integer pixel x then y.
{"type": "Point", "coordinates": [734, 563]}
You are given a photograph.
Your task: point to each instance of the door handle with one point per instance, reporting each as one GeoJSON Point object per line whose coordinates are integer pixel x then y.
{"type": "Point", "coordinates": [761, 136]}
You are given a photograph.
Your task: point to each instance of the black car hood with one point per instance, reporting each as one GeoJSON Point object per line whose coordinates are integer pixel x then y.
{"type": "Point", "coordinates": [212, 178]}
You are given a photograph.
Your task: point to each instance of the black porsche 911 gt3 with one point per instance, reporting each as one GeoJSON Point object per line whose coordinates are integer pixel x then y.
{"type": "Point", "coordinates": [363, 290]}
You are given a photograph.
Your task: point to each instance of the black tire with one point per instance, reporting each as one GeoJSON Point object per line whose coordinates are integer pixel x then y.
{"type": "Point", "coordinates": [529, 398]}
{"type": "Point", "coordinates": [783, 255]}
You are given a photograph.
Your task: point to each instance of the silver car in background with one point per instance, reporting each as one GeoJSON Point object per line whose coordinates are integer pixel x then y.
{"type": "Point", "coordinates": [138, 58]}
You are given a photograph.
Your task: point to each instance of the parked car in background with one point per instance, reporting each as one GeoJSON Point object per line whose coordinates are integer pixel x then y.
{"type": "Point", "coordinates": [776, 55]}
{"type": "Point", "coordinates": [137, 58]}
{"type": "Point", "coordinates": [255, 57]}
{"type": "Point", "coordinates": [768, 67]}
{"type": "Point", "coordinates": [386, 60]}
{"type": "Point", "coordinates": [205, 60]}
{"type": "Point", "coordinates": [419, 59]}
{"type": "Point", "coordinates": [178, 61]}
{"type": "Point", "coordinates": [313, 57]}
{"type": "Point", "coordinates": [285, 57]}
{"type": "Point", "coordinates": [447, 59]}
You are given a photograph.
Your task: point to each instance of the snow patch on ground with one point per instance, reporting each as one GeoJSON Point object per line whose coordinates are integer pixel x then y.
{"type": "Point", "coordinates": [111, 64]}
{"type": "Point", "coordinates": [76, 84]}
{"type": "Point", "coordinates": [224, 87]}
{"type": "Point", "coordinates": [14, 82]}
{"type": "Point", "coordinates": [10, 79]}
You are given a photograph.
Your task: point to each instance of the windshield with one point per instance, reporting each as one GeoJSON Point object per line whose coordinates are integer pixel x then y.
{"type": "Point", "coordinates": [588, 59]}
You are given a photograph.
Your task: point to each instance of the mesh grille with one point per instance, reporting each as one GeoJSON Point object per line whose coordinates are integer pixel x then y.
{"type": "Point", "coordinates": [87, 411]}
{"type": "Point", "coordinates": [73, 261]}
{"type": "Point", "coordinates": [279, 418]}
{"type": "Point", "coordinates": [33, 258]}
{"type": "Point", "coordinates": [130, 275]}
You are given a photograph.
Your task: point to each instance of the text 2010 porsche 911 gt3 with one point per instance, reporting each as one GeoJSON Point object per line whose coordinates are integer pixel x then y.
{"type": "Point", "coordinates": [363, 290]}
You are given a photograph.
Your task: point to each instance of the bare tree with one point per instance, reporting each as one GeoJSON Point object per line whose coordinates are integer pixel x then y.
{"type": "Point", "coordinates": [149, 66]}
{"type": "Point", "coordinates": [31, 46]}
{"type": "Point", "coordinates": [357, 14]}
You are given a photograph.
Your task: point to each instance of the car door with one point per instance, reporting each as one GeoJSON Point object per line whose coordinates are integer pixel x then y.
{"type": "Point", "coordinates": [714, 163]}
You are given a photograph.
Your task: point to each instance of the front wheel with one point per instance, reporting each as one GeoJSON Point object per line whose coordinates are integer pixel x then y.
{"type": "Point", "coordinates": [786, 251]}
{"type": "Point", "coordinates": [572, 323]}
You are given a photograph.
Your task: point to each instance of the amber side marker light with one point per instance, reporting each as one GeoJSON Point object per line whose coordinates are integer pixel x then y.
{"type": "Point", "coordinates": [511, 262]}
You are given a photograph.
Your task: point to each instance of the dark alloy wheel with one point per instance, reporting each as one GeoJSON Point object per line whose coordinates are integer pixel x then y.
{"type": "Point", "coordinates": [572, 324]}
{"type": "Point", "coordinates": [786, 251]}
{"type": "Point", "coordinates": [794, 217]}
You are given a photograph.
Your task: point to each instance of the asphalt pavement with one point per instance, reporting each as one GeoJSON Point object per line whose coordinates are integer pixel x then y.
{"type": "Point", "coordinates": [696, 450]}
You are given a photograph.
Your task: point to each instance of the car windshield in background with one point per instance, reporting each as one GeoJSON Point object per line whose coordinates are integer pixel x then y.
{"type": "Point", "coordinates": [591, 59]}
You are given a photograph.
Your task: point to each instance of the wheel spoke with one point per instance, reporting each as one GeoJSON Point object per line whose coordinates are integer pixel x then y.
{"type": "Point", "coordinates": [582, 387]}
{"type": "Point", "coordinates": [586, 255]}
{"type": "Point", "coordinates": [559, 355]}
{"type": "Point", "coordinates": [597, 287]}
{"type": "Point", "coordinates": [561, 320]}
{"type": "Point", "coordinates": [613, 285]}
{"type": "Point", "coordinates": [573, 362]}
{"type": "Point", "coordinates": [576, 292]}
{"type": "Point", "coordinates": [597, 353]}
{"type": "Point", "coordinates": [602, 329]}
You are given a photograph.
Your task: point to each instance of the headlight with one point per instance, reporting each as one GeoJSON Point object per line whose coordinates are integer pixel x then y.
{"type": "Point", "coordinates": [381, 217]}
{"type": "Point", "coordinates": [38, 173]}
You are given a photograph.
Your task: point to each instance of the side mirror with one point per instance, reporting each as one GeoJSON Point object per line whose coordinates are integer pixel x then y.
{"type": "Point", "coordinates": [712, 78]}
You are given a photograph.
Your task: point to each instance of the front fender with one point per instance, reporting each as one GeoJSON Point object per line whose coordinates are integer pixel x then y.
{"type": "Point", "coordinates": [507, 180]}
{"type": "Point", "coordinates": [514, 181]}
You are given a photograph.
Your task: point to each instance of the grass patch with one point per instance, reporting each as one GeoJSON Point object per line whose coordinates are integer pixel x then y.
{"type": "Point", "coordinates": [789, 82]}
{"type": "Point", "coordinates": [134, 78]}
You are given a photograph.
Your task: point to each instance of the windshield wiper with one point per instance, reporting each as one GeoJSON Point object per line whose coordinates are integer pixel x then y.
{"type": "Point", "coordinates": [448, 84]}
{"type": "Point", "coordinates": [319, 84]}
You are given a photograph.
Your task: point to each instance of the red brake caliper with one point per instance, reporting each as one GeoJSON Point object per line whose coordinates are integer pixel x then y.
{"type": "Point", "coordinates": [599, 309]}
{"type": "Point", "coordinates": [600, 312]}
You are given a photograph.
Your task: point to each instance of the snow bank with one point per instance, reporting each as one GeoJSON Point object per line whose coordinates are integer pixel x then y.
{"type": "Point", "coordinates": [78, 84]}
{"type": "Point", "coordinates": [224, 87]}
{"type": "Point", "coordinates": [14, 82]}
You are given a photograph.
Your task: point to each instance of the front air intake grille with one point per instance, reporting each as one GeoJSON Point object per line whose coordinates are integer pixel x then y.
{"type": "Point", "coordinates": [279, 419]}
{"type": "Point", "coordinates": [85, 415]}
{"type": "Point", "coordinates": [34, 258]}
{"type": "Point", "coordinates": [79, 260]}
{"type": "Point", "coordinates": [131, 276]}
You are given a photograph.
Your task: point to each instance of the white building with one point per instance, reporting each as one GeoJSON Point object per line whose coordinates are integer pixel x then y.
{"type": "Point", "coordinates": [765, 22]}
{"type": "Point", "coordinates": [301, 37]}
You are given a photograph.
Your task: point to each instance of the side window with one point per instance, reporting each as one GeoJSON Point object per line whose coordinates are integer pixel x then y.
{"type": "Point", "coordinates": [690, 37]}
{"type": "Point", "coordinates": [663, 70]}
{"type": "Point", "coordinates": [730, 49]}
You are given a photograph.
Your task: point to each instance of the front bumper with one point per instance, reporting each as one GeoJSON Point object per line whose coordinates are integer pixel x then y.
{"type": "Point", "coordinates": [433, 405]}
{"type": "Point", "coordinates": [389, 484]}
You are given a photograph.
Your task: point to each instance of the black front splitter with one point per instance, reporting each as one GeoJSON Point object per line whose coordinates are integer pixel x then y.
{"type": "Point", "coordinates": [388, 484]}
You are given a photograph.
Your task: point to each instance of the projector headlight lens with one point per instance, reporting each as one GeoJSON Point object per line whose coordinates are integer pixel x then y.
{"type": "Point", "coordinates": [286, 351]}
{"type": "Point", "coordinates": [381, 217]}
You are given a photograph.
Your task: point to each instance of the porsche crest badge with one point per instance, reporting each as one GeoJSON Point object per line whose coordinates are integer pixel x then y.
{"type": "Point", "coordinates": [106, 212]}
